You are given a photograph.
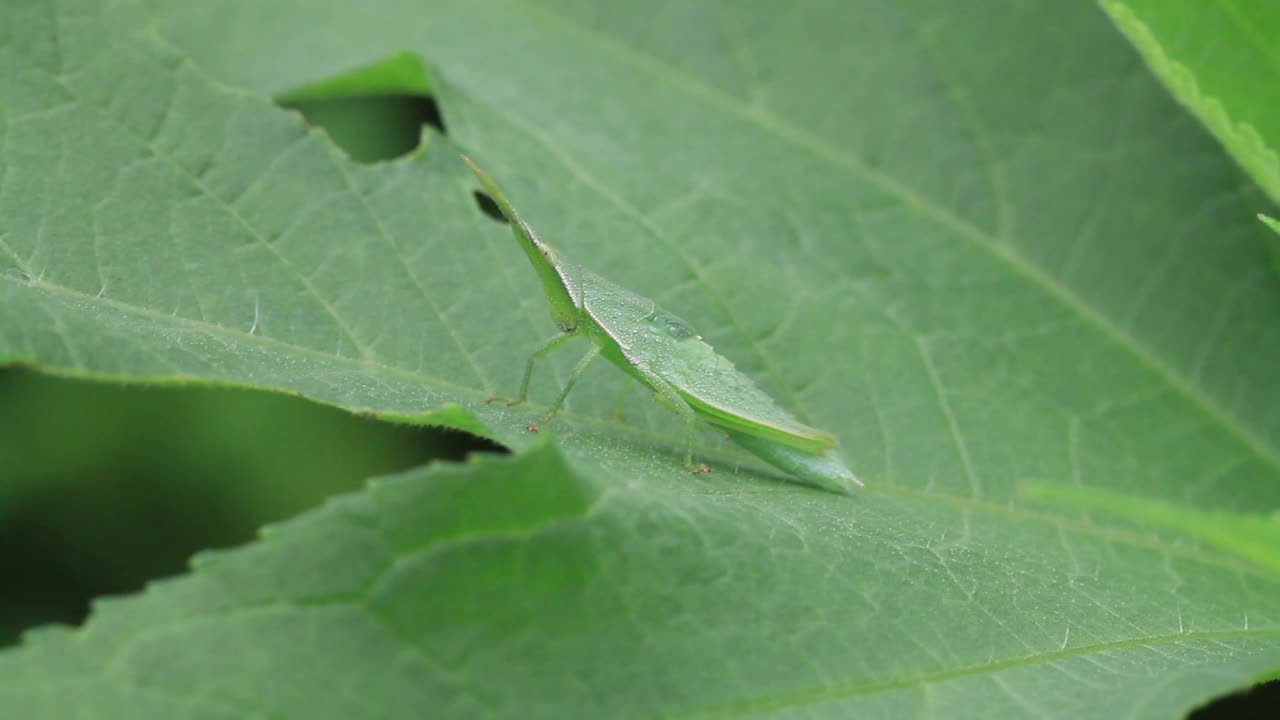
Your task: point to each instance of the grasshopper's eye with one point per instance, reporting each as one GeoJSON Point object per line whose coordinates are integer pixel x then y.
{"type": "Point", "coordinates": [679, 330]}
{"type": "Point", "coordinates": [672, 325]}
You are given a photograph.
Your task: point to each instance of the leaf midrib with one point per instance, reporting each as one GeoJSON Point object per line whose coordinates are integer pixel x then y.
{"type": "Point", "coordinates": [361, 364]}
{"type": "Point", "coordinates": [846, 691]}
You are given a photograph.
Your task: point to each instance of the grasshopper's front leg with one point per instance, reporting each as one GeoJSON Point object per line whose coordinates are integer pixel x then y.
{"type": "Point", "coordinates": [578, 371]}
{"type": "Point", "coordinates": [544, 348]}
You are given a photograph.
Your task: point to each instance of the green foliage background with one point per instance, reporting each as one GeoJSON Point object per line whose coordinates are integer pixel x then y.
{"type": "Point", "coordinates": [987, 249]}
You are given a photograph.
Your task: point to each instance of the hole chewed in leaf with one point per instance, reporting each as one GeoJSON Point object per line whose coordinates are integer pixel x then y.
{"type": "Point", "coordinates": [488, 206]}
{"type": "Point", "coordinates": [1247, 703]}
{"type": "Point", "coordinates": [374, 113]}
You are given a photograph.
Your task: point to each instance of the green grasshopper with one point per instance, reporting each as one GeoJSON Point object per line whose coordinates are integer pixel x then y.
{"type": "Point", "coordinates": [662, 352]}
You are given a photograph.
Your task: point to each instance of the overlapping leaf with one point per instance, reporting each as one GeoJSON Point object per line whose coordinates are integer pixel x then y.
{"type": "Point", "coordinates": [1218, 59]}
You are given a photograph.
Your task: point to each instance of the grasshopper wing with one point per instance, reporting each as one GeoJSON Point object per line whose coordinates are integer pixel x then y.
{"type": "Point", "coordinates": [718, 392]}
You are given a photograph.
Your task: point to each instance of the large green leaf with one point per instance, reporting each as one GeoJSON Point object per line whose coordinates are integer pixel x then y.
{"type": "Point", "coordinates": [980, 247]}
{"type": "Point", "coordinates": [1221, 60]}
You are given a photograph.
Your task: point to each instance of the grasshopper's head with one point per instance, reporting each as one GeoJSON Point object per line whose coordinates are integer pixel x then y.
{"type": "Point", "coordinates": [548, 253]}
{"type": "Point", "coordinates": [552, 272]}
{"type": "Point", "coordinates": [556, 278]}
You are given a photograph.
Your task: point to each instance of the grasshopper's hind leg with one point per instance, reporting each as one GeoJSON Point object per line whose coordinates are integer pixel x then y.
{"type": "Point", "coordinates": [672, 396]}
{"type": "Point", "coordinates": [619, 409]}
